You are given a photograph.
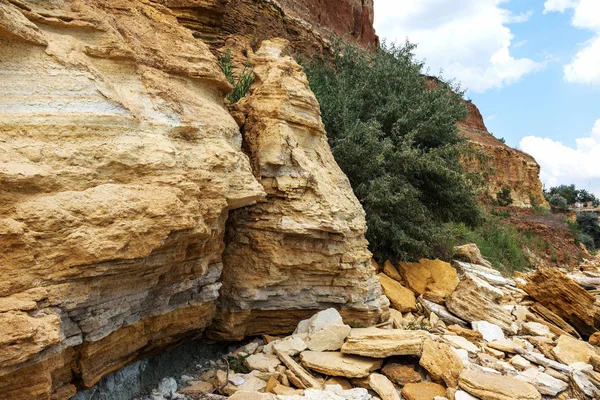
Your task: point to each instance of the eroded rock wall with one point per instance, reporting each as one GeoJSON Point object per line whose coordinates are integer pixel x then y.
{"type": "Point", "coordinates": [119, 166]}
{"type": "Point", "coordinates": [509, 167]}
{"type": "Point", "coordinates": [304, 247]}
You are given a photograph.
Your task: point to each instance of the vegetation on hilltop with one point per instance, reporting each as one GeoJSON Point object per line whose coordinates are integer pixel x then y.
{"type": "Point", "coordinates": [394, 134]}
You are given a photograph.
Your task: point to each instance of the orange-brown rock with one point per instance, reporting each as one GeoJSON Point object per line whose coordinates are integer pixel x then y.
{"type": "Point", "coordinates": [401, 298]}
{"type": "Point", "coordinates": [423, 391]}
{"type": "Point", "coordinates": [504, 165]}
{"type": "Point", "coordinates": [435, 279]}
{"type": "Point", "coordinates": [564, 297]}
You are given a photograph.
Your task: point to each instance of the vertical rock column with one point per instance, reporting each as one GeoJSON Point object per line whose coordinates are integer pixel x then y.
{"type": "Point", "coordinates": [303, 248]}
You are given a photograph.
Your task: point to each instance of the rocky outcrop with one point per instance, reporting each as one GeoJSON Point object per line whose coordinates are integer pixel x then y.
{"type": "Point", "coordinates": [502, 165]}
{"type": "Point", "coordinates": [120, 167]}
{"type": "Point", "coordinates": [307, 24]}
{"type": "Point", "coordinates": [304, 247]}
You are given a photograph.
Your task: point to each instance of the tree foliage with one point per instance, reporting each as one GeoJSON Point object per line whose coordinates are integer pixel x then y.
{"type": "Point", "coordinates": [393, 132]}
{"type": "Point", "coordinates": [558, 201]}
{"type": "Point", "coordinates": [590, 228]}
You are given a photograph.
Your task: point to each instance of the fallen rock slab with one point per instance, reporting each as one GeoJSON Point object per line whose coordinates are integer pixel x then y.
{"type": "Point", "coordinates": [569, 350]}
{"type": "Point", "coordinates": [544, 383]}
{"type": "Point", "coordinates": [383, 387]}
{"type": "Point", "coordinates": [401, 374]}
{"type": "Point", "coordinates": [262, 362]}
{"type": "Point", "coordinates": [434, 279]}
{"type": "Point", "coordinates": [442, 363]}
{"type": "Point", "coordinates": [489, 386]}
{"type": "Point", "coordinates": [423, 391]}
{"type": "Point", "coordinates": [401, 298]}
{"type": "Point", "coordinates": [382, 343]}
{"type": "Point", "coordinates": [476, 300]}
{"type": "Point", "coordinates": [338, 364]}
{"type": "Point", "coordinates": [563, 296]}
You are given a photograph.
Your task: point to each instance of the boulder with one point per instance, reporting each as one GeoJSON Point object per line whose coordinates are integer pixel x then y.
{"type": "Point", "coordinates": [569, 350]}
{"type": "Point", "coordinates": [536, 329]}
{"type": "Point", "coordinates": [442, 363]}
{"type": "Point", "coordinates": [490, 386]}
{"type": "Point", "coordinates": [565, 297]}
{"type": "Point", "coordinates": [435, 279]}
{"type": "Point", "coordinates": [324, 331]}
{"type": "Point", "coordinates": [401, 298]}
{"type": "Point", "coordinates": [382, 343]}
{"type": "Point", "coordinates": [401, 374]}
{"type": "Point", "coordinates": [423, 391]}
{"type": "Point", "coordinates": [383, 387]}
{"type": "Point", "coordinates": [476, 300]}
{"type": "Point", "coordinates": [470, 253]}
{"type": "Point", "coordinates": [338, 364]}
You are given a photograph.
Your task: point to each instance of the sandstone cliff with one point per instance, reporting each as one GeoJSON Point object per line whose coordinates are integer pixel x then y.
{"type": "Point", "coordinates": [513, 168]}
{"type": "Point", "coordinates": [119, 169]}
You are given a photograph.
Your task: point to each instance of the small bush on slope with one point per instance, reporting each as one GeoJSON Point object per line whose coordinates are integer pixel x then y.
{"type": "Point", "coordinates": [241, 84]}
{"type": "Point", "coordinates": [394, 135]}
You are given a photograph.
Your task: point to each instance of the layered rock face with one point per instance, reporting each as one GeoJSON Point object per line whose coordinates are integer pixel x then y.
{"type": "Point", "coordinates": [119, 167]}
{"type": "Point", "coordinates": [307, 24]}
{"type": "Point", "coordinates": [304, 248]}
{"type": "Point", "coordinates": [513, 168]}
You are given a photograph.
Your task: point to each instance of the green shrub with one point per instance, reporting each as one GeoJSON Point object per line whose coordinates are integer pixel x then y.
{"type": "Point", "coordinates": [589, 226]}
{"type": "Point", "coordinates": [501, 243]}
{"type": "Point", "coordinates": [393, 132]}
{"type": "Point", "coordinates": [241, 84]}
{"type": "Point", "coordinates": [504, 196]}
{"type": "Point", "coordinates": [558, 202]}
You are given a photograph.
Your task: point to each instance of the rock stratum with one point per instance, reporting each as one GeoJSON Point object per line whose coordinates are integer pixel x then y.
{"type": "Point", "coordinates": [132, 210]}
{"type": "Point", "coordinates": [509, 167]}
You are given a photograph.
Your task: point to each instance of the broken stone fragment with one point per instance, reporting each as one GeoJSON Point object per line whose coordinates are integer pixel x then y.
{"type": "Point", "coordinates": [423, 390]}
{"type": "Point", "coordinates": [401, 298]}
{"type": "Point", "coordinates": [338, 364]}
{"type": "Point", "coordinates": [489, 331]}
{"type": "Point", "coordinates": [459, 342]}
{"type": "Point", "coordinates": [392, 272]}
{"type": "Point", "coordinates": [382, 343]}
{"type": "Point", "coordinates": [491, 386]}
{"type": "Point", "coordinates": [536, 329]}
{"type": "Point", "coordinates": [262, 362]}
{"type": "Point", "coordinates": [544, 383]}
{"type": "Point", "coordinates": [569, 350]}
{"type": "Point", "coordinates": [442, 363]}
{"type": "Point", "coordinates": [383, 387]}
{"type": "Point", "coordinates": [434, 279]}
{"type": "Point", "coordinates": [401, 374]}
{"type": "Point", "coordinates": [476, 300]}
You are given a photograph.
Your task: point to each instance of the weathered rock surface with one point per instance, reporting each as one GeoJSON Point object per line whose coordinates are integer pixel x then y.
{"type": "Point", "coordinates": [442, 363]}
{"type": "Point", "coordinates": [120, 166]}
{"type": "Point", "coordinates": [338, 364]}
{"type": "Point", "coordinates": [383, 387]}
{"type": "Point", "coordinates": [304, 247]}
{"type": "Point", "coordinates": [476, 300]}
{"type": "Point", "coordinates": [435, 279]}
{"type": "Point", "coordinates": [401, 298]}
{"type": "Point", "coordinates": [490, 386]}
{"type": "Point", "coordinates": [381, 343]}
{"type": "Point", "coordinates": [563, 296]}
{"type": "Point", "coordinates": [569, 350]}
{"type": "Point", "coordinates": [513, 168]}
{"type": "Point", "coordinates": [401, 374]}
{"type": "Point", "coordinates": [423, 391]}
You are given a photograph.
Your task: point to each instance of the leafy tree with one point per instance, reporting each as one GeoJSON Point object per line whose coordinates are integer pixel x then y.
{"type": "Point", "coordinates": [559, 202]}
{"type": "Point", "coordinates": [504, 196]}
{"type": "Point", "coordinates": [584, 196]}
{"type": "Point", "coordinates": [568, 192]}
{"type": "Point", "coordinates": [393, 132]}
{"type": "Point", "coordinates": [588, 223]}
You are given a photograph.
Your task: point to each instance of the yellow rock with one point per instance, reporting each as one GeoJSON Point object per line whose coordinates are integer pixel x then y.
{"type": "Point", "coordinates": [569, 350]}
{"type": "Point", "coordinates": [434, 279]}
{"type": "Point", "coordinates": [442, 363]}
{"type": "Point", "coordinates": [401, 298]}
{"type": "Point", "coordinates": [491, 386]}
{"type": "Point", "coordinates": [382, 343]}
{"type": "Point", "coordinates": [391, 271]}
{"type": "Point", "coordinates": [338, 364]}
{"type": "Point", "coordinates": [423, 391]}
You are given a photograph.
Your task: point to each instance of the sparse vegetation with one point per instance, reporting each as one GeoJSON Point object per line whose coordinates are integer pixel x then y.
{"type": "Point", "coordinates": [590, 229]}
{"type": "Point", "coordinates": [393, 132]}
{"type": "Point", "coordinates": [236, 364]}
{"type": "Point", "coordinates": [241, 83]}
{"type": "Point", "coordinates": [558, 202]}
{"type": "Point", "coordinates": [504, 196]}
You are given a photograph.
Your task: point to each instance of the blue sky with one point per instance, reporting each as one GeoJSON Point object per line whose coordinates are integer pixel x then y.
{"type": "Point", "coordinates": [531, 66]}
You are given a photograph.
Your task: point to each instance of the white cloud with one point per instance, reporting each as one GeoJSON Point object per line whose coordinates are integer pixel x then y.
{"type": "Point", "coordinates": [561, 164]}
{"type": "Point", "coordinates": [469, 40]}
{"type": "Point", "coordinates": [585, 65]}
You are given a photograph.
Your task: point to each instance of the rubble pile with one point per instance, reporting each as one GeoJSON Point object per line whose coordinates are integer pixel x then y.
{"type": "Point", "coordinates": [456, 332]}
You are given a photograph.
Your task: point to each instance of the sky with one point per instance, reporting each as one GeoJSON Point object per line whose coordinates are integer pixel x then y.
{"type": "Point", "coordinates": [532, 67]}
